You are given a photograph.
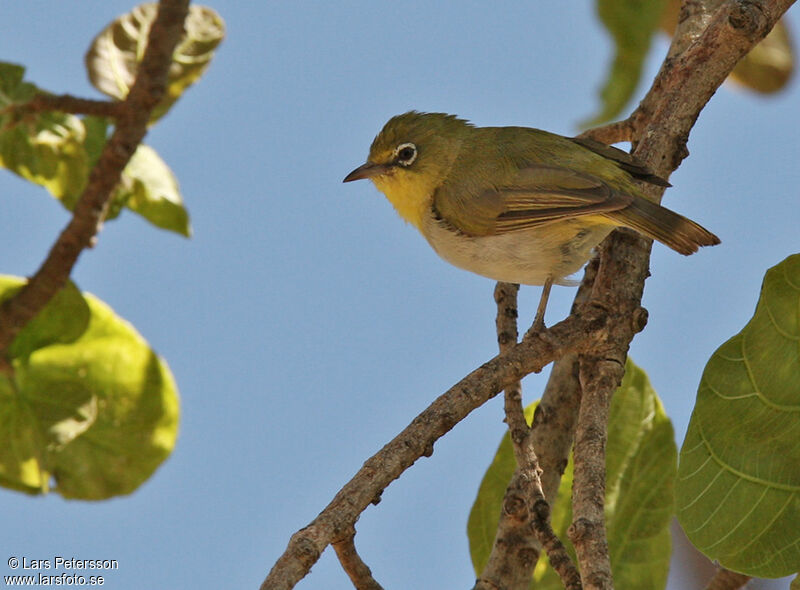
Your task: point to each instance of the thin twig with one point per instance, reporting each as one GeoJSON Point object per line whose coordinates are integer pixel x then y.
{"type": "Point", "coordinates": [557, 554]}
{"type": "Point", "coordinates": [505, 295]}
{"type": "Point", "coordinates": [557, 413]}
{"type": "Point", "coordinates": [515, 549]}
{"type": "Point", "coordinates": [525, 516]}
{"type": "Point", "coordinates": [146, 92]}
{"type": "Point", "coordinates": [524, 524]}
{"type": "Point", "coordinates": [727, 580]}
{"type": "Point", "coordinates": [358, 571]}
{"type": "Point", "coordinates": [67, 103]}
{"type": "Point", "coordinates": [624, 130]}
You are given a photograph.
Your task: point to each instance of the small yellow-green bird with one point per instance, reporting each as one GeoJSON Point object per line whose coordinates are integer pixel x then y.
{"type": "Point", "coordinates": [516, 204]}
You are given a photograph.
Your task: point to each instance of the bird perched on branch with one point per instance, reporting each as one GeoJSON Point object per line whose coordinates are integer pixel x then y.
{"type": "Point", "coordinates": [516, 204]}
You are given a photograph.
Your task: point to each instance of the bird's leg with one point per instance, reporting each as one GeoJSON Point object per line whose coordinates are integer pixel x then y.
{"type": "Point", "coordinates": [538, 322]}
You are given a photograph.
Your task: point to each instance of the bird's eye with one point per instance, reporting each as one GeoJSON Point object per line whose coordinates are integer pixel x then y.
{"type": "Point", "coordinates": [406, 153]}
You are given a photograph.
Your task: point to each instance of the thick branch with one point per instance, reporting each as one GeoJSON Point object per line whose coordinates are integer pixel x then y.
{"type": "Point", "coordinates": [687, 80]}
{"type": "Point", "coordinates": [618, 286]}
{"type": "Point", "coordinates": [146, 92]}
{"type": "Point", "coordinates": [711, 37]}
{"type": "Point", "coordinates": [661, 127]}
{"type": "Point", "coordinates": [588, 532]}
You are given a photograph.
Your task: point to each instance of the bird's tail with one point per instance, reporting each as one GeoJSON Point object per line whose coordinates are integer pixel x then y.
{"type": "Point", "coordinates": [671, 229]}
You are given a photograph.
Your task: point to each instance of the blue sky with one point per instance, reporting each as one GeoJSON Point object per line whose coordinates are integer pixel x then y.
{"type": "Point", "coordinates": [305, 323]}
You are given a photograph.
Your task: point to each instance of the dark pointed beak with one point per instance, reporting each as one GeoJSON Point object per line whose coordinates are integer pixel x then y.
{"type": "Point", "coordinates": [368, 170]}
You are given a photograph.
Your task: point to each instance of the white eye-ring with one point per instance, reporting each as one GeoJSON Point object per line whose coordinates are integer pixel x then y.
{"type": "Point", "coordinates": [405, 154]}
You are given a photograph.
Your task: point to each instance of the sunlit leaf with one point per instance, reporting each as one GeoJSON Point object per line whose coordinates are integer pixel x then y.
{"type": "Point", "coordinates": [45, 148]}
{"type": "Point", "coordinates": [640, 472]}
{"type": "Point", "coordinates": [93, 418]}
{"type": "Point", "coordinates": [631, 24]}
{"type": "Point", "coordinates": [738, 491]}
{"type": "Point", "coordinates": [62, 320]}
{"type": "Point", "coordinates": [114, 56]}
{"type": "Point", "coordinates": [96, 136]}
{"type": "Point", "coordinates": [57, 151]}
{"type": "Point", "coordinates": [22, 453]}
{"type": "Point", "coordinates": [149, 188]}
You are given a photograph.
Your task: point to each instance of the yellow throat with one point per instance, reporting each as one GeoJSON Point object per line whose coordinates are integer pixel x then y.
{"type": "Point", "coordinates": [410, 195]}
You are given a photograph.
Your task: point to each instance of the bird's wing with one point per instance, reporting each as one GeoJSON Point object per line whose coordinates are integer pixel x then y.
{"type": "Point", "coordinates": [537, 194]}
{"type": "Point", "coordinates": [623, 159]}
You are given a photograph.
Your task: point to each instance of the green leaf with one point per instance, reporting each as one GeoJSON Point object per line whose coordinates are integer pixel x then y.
{"type": "Point", "coordinates": [56, 151]}
{"type": "Point", "coordinates": [45, 148]}
{"type": "Point", "coordinates": [638, 522]}
{"type": "Point", "coordinates": [114, 56]}
{"type": "Point", "coordinates": [12, 87]}
{"type": "Point", "coordinates": [631, 24]}
{"type": "Point", "coordinates": [149, 188]}
{"type": "Point", "coordinates": [21, 444]}
{"type": "Point", "coordinates": [640, 471]}
{"type": "Point", "coordinates": [95, 416]}
{"type": "Point", "coordinates": [96, 137]}
{"type": "Point", "coordinates": [63, 319]}
{"type": "Point", "coordinates": [738, 491]}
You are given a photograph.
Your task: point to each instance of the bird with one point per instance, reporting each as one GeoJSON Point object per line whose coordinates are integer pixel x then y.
{"type": "Point", "coordinates": [516, 204]}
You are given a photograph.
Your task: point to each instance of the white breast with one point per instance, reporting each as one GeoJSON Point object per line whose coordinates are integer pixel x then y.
{"type": "Point", "coordinates": [527, 257]}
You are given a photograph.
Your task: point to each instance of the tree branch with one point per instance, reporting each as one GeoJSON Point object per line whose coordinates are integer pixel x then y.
{"type": "Point", "coordinates": [602, 329]}
{"type": "Point", "coordinates": [68, 104]}
{"type": "Point", "coordinates": [418, 438]}
{"type": "Point", "coordinates": [661, 125]}
{"type": "Point", "coordinates": [711, 37]}
{"type": "Point", "coordinates": [588, 530]}
{"type": "Point", "coordinates": [358, 571]}
{"type": "Point", "coordinates": [524, 525]}
{"type": "Point", "coordinates": [688, 79]}
{"type": "Point", "coordinates": [516, 547]}
{"type": "Point", "coordinates": [132, 118]}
